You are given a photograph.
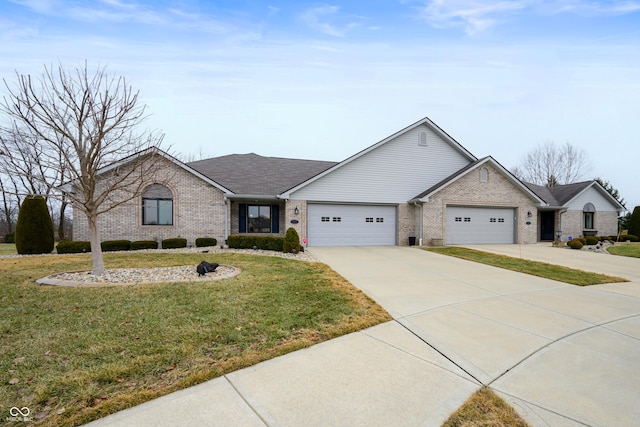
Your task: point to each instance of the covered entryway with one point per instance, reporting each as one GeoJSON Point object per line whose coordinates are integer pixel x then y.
{"type": "Point", "coordinates": [547, 225]}
{"type": "Point", "coordinates": [351, 225]}
{"type": "Point", "coordinates": [479, 225]}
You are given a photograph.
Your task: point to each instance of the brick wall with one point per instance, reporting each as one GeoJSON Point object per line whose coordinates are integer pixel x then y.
{"type": "Point", "coordinates": [470, 190]}
{"type": "Point", "coordinates": [605, 223]}
{"type": "Point", "coordinates": [198, 211]}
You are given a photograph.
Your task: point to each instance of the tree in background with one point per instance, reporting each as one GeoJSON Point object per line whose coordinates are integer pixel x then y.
{"type": "Point", "coordinates": [634, 222]}
{"type": "Point", "coordinates": [34, 228]}
{"type": "Point", "coordinates": [80, 123]}
{"type": "Point", "coordinates": [622, 219]}
{"type": "Point", "coordinates": [550, 165]}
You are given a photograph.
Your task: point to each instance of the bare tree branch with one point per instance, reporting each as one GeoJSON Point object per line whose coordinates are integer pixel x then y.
{"type": "Point", "coordinates": [71, 126]}
{"type": "Point", "coordinates": [551, 165]}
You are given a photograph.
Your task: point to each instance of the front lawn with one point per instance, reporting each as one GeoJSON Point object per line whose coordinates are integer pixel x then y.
{"type": "Point", "coordinates": [535, 268]}
{"type": "Point", "coordinates": [8, 249]}
{"type": "Point", "coordinates": [72, 355]}
{"type": "Point", "coordinates": [626, 249]}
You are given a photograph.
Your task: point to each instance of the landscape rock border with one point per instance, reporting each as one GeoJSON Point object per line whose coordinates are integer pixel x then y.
{"type": "Point", "coordinates": [137, 276]}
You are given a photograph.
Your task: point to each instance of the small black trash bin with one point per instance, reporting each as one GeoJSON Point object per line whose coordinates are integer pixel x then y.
{"type": "Point", "coordinates": [412, 240]}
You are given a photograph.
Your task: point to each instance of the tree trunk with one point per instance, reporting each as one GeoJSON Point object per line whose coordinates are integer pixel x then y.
{"type": "Point", "coordinates": [63, 207]}
{"type": "Point", "coordinates": [96, 250]}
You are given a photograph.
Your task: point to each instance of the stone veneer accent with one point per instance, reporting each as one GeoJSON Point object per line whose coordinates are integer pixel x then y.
{"type": "Point", "coordinates": [469, 190]}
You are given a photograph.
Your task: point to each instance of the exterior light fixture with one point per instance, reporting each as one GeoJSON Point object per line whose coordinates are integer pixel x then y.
{"type": "Point", "coordinates": [296, 211]}
{"type": "Point", "coordinates": [529, 214]}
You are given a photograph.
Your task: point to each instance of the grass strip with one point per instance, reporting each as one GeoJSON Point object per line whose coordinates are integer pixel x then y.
{"type": "Point", "coordinates": [72, 355]}
{"type": "Point", "coordinates": [535, 268]}
{"type": "Point", "coordinates": [626, 249]}
{"type": "Point", "coordinates": [485, 408]}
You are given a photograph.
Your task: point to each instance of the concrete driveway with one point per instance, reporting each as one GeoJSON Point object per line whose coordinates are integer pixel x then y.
{"type": "Point", "coordinates": [561, 355]}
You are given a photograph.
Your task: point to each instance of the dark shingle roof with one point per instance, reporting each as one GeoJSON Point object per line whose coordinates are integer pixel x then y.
{"type": "Point", "coordinates": [258, 175]}
{"type": "Point", "coordinates": [560, 194]}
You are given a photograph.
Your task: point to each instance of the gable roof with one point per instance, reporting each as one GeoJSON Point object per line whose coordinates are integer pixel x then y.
{"type": "Point", "coordinates": [151, 151]}
{"type": "Point", "coordinates": [425, 121]}
{"type": "Point", "coordinates": [251, 174]}
{"type": "Point", "coordinates": [424, 196]}
{"type": "Point", "coordinates": [561, 195]}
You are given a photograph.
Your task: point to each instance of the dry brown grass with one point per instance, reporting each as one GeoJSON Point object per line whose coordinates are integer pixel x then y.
{"type": "Point", "coordinates": [484, 408]}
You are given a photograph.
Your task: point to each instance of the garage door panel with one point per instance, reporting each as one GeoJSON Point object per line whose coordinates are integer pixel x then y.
{"type": "Point", "coordinates": [351, 225]}
{"type": "Point", "coordinates": [474, 225]}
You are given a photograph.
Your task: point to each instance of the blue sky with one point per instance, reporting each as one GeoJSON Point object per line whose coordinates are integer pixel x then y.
{"type": "Point", "coordinates": [324, 80]}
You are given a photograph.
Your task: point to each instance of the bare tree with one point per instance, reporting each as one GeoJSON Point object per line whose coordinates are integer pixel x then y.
{"type": "Point", "coordinates": [79, 123]}
{"type": "Point", "coordinates": [551, 165]}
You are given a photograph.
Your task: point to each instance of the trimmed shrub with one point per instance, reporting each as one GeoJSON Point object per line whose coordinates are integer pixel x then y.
{"type": "Point", "coordinates": [634, 222]}
{"type": "Point", "coordinates": [73, 247]}
{"type": "Point", "coordinates": [115, 245]}
{"type": "Point", "coordinates": [629, 237]}
{"type": "Point", "coordinates": [144, 244]}
{"type": "Point", "coordinates": [291, 241]}
{"type": "Point", "coordinates": [591, 240]}
{"type": "Point", "coordinates": [202, 242]}
{"type": "Point", "coordinates": [10, 238]}
{"type": "Point", "coordinates": [245, 241]}
{"type": "Point", "coordinates": [575, 244]}
{"type": "Point", "coordinates": [34, 228]}
{"type": "Point", "coordinates": [174, 243]}
{"type": "Point", "coordinates": [581, 240]}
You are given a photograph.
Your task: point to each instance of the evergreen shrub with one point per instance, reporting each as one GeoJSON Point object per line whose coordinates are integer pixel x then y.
{"type": "Point", "coordinates": [144, 244]}
{"type": "Point", "coordinates": [591, 240]}
{"type": "Point", "coordinates": [115, 245]}
{"type": "Point", "coordinates": [202, 242]}
{"type": "Point", "coordinates": [73, 246]}
{"type": "Point", "coordinates": [246, 241]}
{"type": "Point", "coordinates": [291, 241]}
{"type": "Point", "coordinates": [634, 222]}
{"type": "Point", "coordinates": [10, 238]}
{"type": "Point", "coordinates": [34, 228]}
{"type": "Point", "coordinates": [629, 237]}
{"type": "Point", "coordinates": [575, 244]}
{"type": "Point", "coordinates": [174, 243]}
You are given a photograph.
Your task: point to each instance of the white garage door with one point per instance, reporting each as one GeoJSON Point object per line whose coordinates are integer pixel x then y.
{"type": "Point", "coordinates": [351, 225]}
{"type": "Point", "coordinates": [471, 226]}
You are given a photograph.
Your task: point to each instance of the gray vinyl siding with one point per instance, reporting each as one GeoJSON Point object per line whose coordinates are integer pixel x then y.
{"type": "Point", "coordinates": [591, 195]}
{"type": "Point", "coordinates": [394, 172]}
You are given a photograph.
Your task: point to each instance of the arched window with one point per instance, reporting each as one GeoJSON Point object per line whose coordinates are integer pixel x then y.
{"type": "Point", "coordinates": [423, 138]}
{"type": "Point", "coordinates": [588, 215]}
{"type": "Point", "coordinates": [157, 205]}
{"type": "Point", "coordinates": [484, 174]}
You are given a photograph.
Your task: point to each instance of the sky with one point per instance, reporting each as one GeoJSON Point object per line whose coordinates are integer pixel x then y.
{"type": "Point", "coordinates": [324, 80]}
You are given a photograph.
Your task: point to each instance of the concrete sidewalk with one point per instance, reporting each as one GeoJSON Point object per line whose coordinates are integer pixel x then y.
{"type": "Point", "coordinates": [560, 354]}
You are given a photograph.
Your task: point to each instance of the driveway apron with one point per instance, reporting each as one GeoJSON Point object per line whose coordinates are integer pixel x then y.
{"type": "Point", "coordinates": [559, 354]}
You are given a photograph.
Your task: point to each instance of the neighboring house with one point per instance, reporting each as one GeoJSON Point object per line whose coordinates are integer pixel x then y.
{"type": "Point", "coordinates": [418, 184]}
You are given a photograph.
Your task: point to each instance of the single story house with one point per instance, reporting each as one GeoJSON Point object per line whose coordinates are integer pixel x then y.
{"type": "Point", "coordinates": [417, 185]}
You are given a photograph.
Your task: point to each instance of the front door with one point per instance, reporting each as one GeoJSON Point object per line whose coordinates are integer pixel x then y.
{"type": "Point", "coordinates": [547, 222]}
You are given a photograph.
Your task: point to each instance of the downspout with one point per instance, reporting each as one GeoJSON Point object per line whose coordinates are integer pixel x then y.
{"type": "Point", "coordinates": [226, 218]}
{"type": "Point", "coordinates": [560, 212]}
{"type": "Point", "coordinates": [415, 203]}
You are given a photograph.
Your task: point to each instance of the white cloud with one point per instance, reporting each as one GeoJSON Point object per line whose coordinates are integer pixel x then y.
{"type": "Point", "coordinates": [316, 18]}
{"type": "Point", "coordinates": [473, 16]}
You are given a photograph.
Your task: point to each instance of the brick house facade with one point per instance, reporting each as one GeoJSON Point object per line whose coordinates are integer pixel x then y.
{"type": "Point", "coordinates": [370, 197]}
